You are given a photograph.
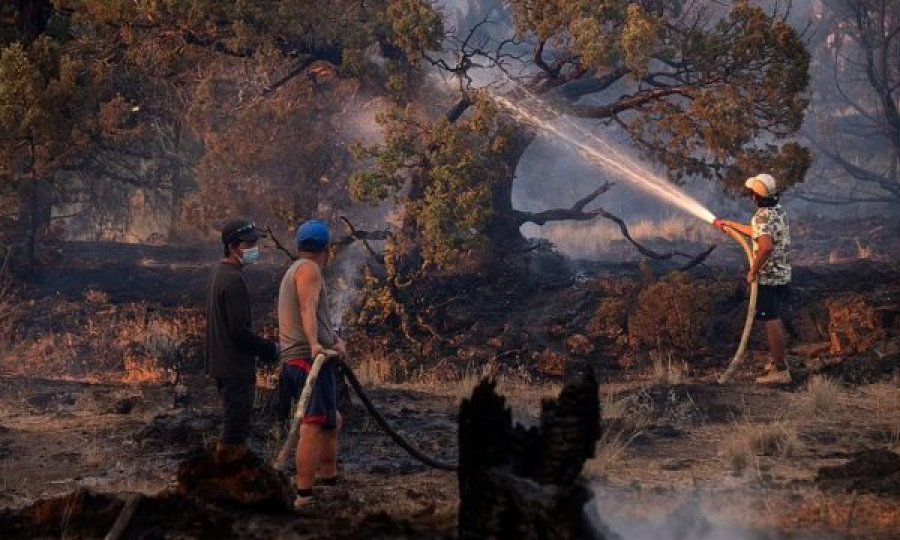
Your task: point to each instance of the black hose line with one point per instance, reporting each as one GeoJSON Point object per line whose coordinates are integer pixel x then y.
{"type": "Point", "coordinates": [382, 421]}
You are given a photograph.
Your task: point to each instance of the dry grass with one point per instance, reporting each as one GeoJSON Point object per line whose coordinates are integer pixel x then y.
{"type": "Point", "coordinates": [591, 238]}
{"type": "Point", "coordinates": [609, 452]}
{"type": "Point", "coordinates": [665, 371]}
{"type": "Point", "coordinates": [646, 407]}
{"type": "Point", "coordinates": [98, 341]}
{"type": "Point", "coordinates": [881, 403]}
{"type": "Point", "coordinates": [373, 370]}
{"type": "Point", "coordinates": [748, 441]}
{"type": "Point", "coordinates": [822, 400]}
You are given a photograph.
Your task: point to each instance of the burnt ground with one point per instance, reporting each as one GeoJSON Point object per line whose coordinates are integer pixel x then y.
{"type": "Point", "coordinates": [680, 457]}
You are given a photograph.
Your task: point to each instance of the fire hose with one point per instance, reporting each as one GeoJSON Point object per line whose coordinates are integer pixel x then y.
{"type": "Point", "coordinates": [751, 307]}
{"type": "Point", "coordinates": [284, 455]}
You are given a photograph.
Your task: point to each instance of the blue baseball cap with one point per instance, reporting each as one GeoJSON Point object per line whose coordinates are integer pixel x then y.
{"type": "Point", "coordinates": [313, 236]}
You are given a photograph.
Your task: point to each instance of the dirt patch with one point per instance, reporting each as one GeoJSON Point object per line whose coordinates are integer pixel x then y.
{"type": "Point", "coordinates": [872, 471]}
{"type": "Point", "coordinates": [177, 430]}
{"type": "Point", "coordinates": [247, 482]}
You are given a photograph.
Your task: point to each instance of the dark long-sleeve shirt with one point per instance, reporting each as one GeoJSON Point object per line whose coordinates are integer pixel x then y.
{"type": "Point", "coordinates": [231, 344]}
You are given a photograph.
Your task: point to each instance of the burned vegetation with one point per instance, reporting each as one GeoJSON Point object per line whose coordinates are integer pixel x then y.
{"type": "Point", "coordinates": [519, 254]}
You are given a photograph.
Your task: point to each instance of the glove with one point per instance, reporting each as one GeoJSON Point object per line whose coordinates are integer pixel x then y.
{"type": "Point", "coordinates": [720, 224]}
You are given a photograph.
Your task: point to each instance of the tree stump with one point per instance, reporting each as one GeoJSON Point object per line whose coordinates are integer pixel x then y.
{"type": "Point", "coordinates": [525, 483]}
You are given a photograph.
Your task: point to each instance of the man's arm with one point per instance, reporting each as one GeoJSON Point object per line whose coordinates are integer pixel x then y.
{"type": "Point", "coordinates": [746, 230]}
{"type": "Point", "coordinates": [765, 247]}
{"type": "Point", "coordinates": [308, 281]}
{"type": "Point", "coordinates": [237, 312]}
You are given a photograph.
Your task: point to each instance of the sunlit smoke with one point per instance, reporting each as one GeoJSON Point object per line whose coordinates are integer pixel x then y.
{"type": "Point", "coordinates": [598, 151]}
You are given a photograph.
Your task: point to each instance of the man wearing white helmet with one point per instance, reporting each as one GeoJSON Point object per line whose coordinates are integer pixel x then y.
{"type": "Point", "coordinates": [771, 237]}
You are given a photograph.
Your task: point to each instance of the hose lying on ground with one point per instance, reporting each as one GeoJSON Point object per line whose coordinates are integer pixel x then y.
{"type": "Point", "coordinates": [392, 433]}
{"type": "Point", "coordinates": [751, 308]}
{"type": "Point", "coordinates": [284, 455]}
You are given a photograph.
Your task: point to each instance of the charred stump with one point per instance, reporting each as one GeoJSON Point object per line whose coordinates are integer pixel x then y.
{"type": "Point", "coordinates": [524, 483]}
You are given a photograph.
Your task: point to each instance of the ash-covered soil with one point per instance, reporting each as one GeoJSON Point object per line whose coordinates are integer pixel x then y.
{"type": "Point", "coordinates": [89, 412]}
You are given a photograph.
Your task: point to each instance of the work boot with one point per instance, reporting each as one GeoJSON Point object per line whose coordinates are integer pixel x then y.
{"type": "Point", "coordinates": [775, 377]}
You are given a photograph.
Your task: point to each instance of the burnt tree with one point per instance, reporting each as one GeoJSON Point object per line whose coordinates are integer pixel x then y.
{"type": "Point", "coordinates": [525, 483]}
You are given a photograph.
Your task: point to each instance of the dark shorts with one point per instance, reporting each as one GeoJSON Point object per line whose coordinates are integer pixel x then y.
{"type": "Point", "coordinates": [322, 409]}
{"type": "Point", "coordinates": [237, 405]}
{"type": "Point", "coordinates": [771, 302]}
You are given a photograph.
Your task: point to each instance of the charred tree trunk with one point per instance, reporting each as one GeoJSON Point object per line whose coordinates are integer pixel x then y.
{"type": "Point", "coordinates": [32, 17]}
{"type": "Point", "coordinates": [523, 484]}
{"type": "Point", "coordinates": [37, 213]}
{"type": "Point", "coordinates": [503, 227]}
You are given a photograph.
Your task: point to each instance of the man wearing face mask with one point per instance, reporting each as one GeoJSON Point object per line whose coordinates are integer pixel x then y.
{"type": "Point", "coordinates": [771, 246]}
{"type": "Point", "coordinates": [231, 344]}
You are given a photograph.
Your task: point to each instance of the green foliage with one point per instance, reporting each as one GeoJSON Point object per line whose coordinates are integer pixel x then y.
{"type": "Point", "coordinates": [452, 169]}
{"type": "Point", "coordinates": [201, 102]}
{"type": "Point", "coordinates": [753, 76]}
{"type": "Point", "coordinates": [42, 99]}
{"type": "Point", "coordinates": [708, 90]}
{"type": "Point", "coordinates": [415, 26]}
{"type": "Point", "coordinates": [640, 40]}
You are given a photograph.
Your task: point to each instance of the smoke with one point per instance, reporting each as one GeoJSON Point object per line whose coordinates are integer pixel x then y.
{"type": "Point", "coordinates": [694, 517]}
{"type": "Point", "coordinates": [345, 286]}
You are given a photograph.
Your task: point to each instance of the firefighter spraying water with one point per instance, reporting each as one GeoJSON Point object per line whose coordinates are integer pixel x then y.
{"type": "Point", "coordinates": [598, 151]}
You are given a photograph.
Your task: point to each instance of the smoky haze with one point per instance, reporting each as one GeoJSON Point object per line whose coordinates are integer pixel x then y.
{"type": "Point", "coordinates": [552, 174]}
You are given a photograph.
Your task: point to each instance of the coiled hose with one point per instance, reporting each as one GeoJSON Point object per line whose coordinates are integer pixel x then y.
{"type": "Point", "coordinates": [751, 307]}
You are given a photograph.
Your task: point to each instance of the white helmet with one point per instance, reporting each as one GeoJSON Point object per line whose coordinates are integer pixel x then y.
{"type": "Point", "coordinates": [763, 185]}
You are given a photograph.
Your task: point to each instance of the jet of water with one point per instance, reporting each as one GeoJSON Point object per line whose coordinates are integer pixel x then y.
{"type": "Point", "coordinates": [598, 151]}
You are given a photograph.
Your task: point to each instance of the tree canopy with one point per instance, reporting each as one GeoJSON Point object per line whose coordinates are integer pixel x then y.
{"type": "Point", "coordinates": [211, 108]}
{"type": "Point", "coordinates": [705, 91]}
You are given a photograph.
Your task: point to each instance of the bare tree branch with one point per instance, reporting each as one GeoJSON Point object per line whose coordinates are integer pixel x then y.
{"type": "Point", "coordinates": [575, 213]}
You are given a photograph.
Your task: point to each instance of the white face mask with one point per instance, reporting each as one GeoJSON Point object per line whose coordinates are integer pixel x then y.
{"type": "Point", "coordinates": [250, 255]}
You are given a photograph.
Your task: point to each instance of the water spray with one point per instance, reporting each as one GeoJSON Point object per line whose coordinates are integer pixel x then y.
{"type": "Point", "coordinates": [598, 151]}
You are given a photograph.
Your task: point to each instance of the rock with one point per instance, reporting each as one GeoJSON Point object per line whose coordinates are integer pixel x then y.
{"type": "Point", "coordinates": [245, 481]}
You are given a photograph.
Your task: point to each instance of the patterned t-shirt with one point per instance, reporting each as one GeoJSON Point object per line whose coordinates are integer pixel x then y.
{"type": "Point", "coordinates": [773, 222]}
